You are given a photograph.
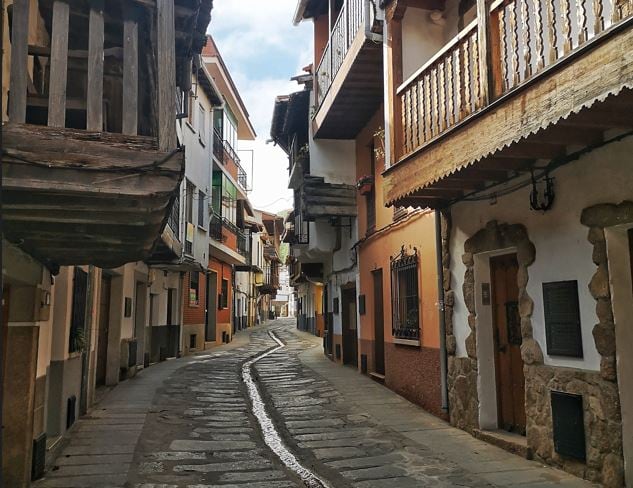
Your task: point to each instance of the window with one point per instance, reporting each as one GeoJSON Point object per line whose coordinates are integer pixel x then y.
{"type": "Point", "coordinates": [224, 200]}
{"type": "Point", "coordinates": [230, 129]}
{"type": "Point", "coordinates": [202, 123]}
{"type": "Point", "coordinates": [194, 289]}
{"type": "Point", "coordinates": [189, 192]}
{"type": "Point", "coordinates": [190, 107]}
{"type": "Point", "coordinates": [224, 294]}
{"type": "Point", "coordinates": [404, 296]}
{"type": "Point", "coordinates": [202, 198]}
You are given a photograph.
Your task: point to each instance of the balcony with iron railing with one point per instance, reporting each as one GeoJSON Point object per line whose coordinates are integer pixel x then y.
{"type": "Point", "coordinates": [226, 155]}
{"type": "Point", "coordinates": [528, 78]}
{"type": "Point", "coordinates": [348, 78]}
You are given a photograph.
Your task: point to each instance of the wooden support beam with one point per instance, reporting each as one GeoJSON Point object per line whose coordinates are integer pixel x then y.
{"type": "Point", "coordinates": [59, 65]}
{"type": "Point", "coordinates": [94, 99]}
{"type": "Point", "coordinates": [166, 75]}
{"type": "Point", "coordinates": [130, 70]}
{"type": "Point", "coordinates": [483, 37]}
{"type": "Point", "coordinates": [19, 61]}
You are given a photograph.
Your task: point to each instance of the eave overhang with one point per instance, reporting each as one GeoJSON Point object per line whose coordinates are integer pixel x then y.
{"type": "Point", "coordinates": [74, 197]}
{"type": "Point", "coordinates": [566, 110]}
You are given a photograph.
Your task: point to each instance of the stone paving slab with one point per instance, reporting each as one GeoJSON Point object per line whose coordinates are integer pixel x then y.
{"type": "Point", "coordinates": [187, 423]}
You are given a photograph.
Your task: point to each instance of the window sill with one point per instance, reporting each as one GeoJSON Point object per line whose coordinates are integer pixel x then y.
{"type": "Point", "coordinates": [190, 126]}
{"type": "Point", "coordinates": [202, 228]}
{"type": "Point", "coordinates": [406, 342]}
{"type": "Point", "coordinates": [202, 142]}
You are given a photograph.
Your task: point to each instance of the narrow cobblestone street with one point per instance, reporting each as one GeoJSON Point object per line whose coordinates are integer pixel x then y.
{"type": "Point", "coordinates": [199, 430]}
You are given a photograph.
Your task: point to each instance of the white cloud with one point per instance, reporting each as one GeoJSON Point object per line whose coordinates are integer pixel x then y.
{"type": "Point", "coordinates": [248, 32]}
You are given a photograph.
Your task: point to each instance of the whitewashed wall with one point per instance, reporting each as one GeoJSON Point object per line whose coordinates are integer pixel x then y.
{"type": "Point", "coordinates": [562, 249]}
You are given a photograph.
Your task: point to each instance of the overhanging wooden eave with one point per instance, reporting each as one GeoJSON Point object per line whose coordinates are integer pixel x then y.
{"type": "Point", "coordinates": [75, 197]}
{"type": "Point", "coordinates": [529, 124]}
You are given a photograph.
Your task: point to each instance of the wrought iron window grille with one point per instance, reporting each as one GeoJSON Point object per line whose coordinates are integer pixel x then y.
{"type": "Point", "coordinates": [404, 295]}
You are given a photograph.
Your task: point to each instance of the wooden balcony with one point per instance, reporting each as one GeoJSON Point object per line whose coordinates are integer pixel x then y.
{"type": "Point", "coordinates": [348, 86]}
{"type": "Point", "coordinates": [90, 146]}
{"type": "Point", "coordinates": [321, 200]}
{"type": "Point", "coordinates": [529, 81]}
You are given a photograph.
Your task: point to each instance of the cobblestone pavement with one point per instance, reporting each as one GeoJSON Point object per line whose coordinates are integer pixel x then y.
{"type": "Point", "coordinates": [200, 432]}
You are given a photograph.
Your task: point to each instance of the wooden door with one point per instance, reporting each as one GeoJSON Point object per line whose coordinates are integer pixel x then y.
{"type": "Point", "coordinates": [350, 334]}
{"type": "Point", "coordinates": [104, 327]}
{"type": "Point", "coordinates": [507, 334]}
{"type": "Point", "coordinates": [379, 323]}
{"type": "Point", "coordinates": [5, 331]}
{"type": "Point", "coordinates": [212, 307]}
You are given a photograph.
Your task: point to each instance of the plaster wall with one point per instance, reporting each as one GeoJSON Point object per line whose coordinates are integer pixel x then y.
{"type": "Point", "coordinates": [562, 249]}
{"type": "Point", "coordinates": [333, 160]}
{"type": "Point", "coordinates": [422, 38]}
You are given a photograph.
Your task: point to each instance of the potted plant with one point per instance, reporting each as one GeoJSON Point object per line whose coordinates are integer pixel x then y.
{"type": "Point", "coordinates": [365, 184]}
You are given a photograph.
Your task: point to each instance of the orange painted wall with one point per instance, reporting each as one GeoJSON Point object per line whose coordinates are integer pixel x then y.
{"type": "Point", "coordinates": [194, 314]}
{"type": "Point", "coordinates": [411, 371]}
{"type": "Point", "coordinates": [223, 270]}
{"type": "Point", "coordinates": [416, 230]}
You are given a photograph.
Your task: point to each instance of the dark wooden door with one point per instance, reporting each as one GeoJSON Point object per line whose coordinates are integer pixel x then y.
{"type": "Point", "coordinates": [212, 307]}
{"type": "Point", "coordinates": [507, 334]}
{"type": "Point", "coordinates": [631, 251]}
{"type": "Point", "coordinates": [5, 331]}
{"type": "Point", "coordinates": [104, 327]}
{"type": "Point", "coordinates": [350, 333]}
{"type": "Point", "coordinates": [379, 323]}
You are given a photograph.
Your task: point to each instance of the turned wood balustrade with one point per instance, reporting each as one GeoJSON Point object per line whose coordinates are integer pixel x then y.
{"type": "Point", "coordinates": [349, 22]}
{"type": "Point", "coordinates": [510, 43]}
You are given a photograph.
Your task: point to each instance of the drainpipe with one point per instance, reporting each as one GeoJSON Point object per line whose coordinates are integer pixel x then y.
{"type": "Point", "coordinates": [370, 8]}
{"type": "Point", "coordinates": [440, 299]}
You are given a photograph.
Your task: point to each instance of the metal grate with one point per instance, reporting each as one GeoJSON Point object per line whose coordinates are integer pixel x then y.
{"type": "Point", "coordinates": [404, 296]}
{"type": "Point", "coordinates": [133, 350]}
{"type": "Point", "coordinates": [568, 425]}
{"type": "Point", "coordinates": [38, 463]}
{"type": "Point", "coordinates": [71, 411]}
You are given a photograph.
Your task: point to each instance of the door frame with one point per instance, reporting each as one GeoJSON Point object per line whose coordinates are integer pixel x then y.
{"type": "Point", "coordinates": [379, 320]}
{"type": "Point", "coordinates": [487, 379]}
{"type": "Point", "coordinates": [348, 297]}
{"type": "Point", "coordinates": [510, 391]}
{"type": "Point", "coordinates": [211, 317]}
{"type": "Point", "coordinates": [620, 259]}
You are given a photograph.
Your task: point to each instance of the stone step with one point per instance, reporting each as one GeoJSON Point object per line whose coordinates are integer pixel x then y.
{"type": "Point", "coordinates": [514, 443]}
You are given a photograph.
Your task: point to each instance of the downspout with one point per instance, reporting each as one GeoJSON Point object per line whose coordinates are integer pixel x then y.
{"type": "Point", "coordinates": [440, 299]}
{"type": "Point", "coordinates": [371, 8]}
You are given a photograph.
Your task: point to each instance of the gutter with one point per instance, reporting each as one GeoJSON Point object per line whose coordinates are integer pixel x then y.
{"type": "Point", "coordinates": [441, 309]}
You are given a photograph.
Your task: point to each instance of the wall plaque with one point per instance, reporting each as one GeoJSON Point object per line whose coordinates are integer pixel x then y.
{"type": "Point", "coordinates": [562, 319]}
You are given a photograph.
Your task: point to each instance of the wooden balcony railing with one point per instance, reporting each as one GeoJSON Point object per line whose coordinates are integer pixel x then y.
{"type": "Point", "coordinates": [350, 20]}
{"type": "Point", "coordinates": [512, 44]}
{"type": "Point", "coordinates": [77, 82]}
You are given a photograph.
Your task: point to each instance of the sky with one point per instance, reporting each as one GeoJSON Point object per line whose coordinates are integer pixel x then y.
{"type": "Point", "coordinates": [262, 50]}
